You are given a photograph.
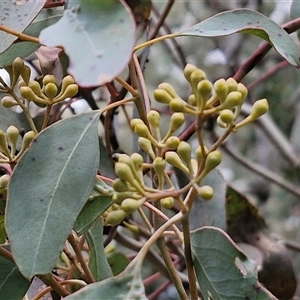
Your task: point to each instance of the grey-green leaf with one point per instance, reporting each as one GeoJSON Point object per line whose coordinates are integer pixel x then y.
{"type": "Point", "coordinates": [97, 258]}
{"type": "Point", "coordinates": [128, 285]}
{"type": "Point", "coordinates": [48, 188]}
{"type": "Point", "coordinates": [295, 9]}
{"type": "Point", "coordinates": [223, 271]}
{"type": "Point", "coordinates": [98, 37]}
{"type": "Point", "coordinates": [17, 15]}
{"type": "Point", "coordinates": [12, 284]}
{"type": "Point", "coordinates": [251, 22]}
{"type": "Point", "coordinates": [45, 18]}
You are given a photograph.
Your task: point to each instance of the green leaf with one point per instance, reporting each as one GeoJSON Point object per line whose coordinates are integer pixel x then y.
{"type": "Point", "coordinates": [223, 271]}
{"type": "Point", "coordinates": [126, 286]}
{"type": "Point", "coordinates": [118, 261]}
{"type": "Point", "coordinates": [295, 9]}
{"type": "Point", "coordinates": [47, 190]}
{"type": "Point", "coordinates": [98, 261]}
{"type": "Point", "coordinates": [12, 284]}
{"type": "Point", "coordinates": [98, 38]}
{"type": "Point", "coordinates": [17, 15]}
{"type": "Point", "coordinates": [99, 202]}
{"type": "Point", "coordinates": [251, 22]}
{"type": "Point", "coordinates": [46, 18]}
{"type": "Point", "coordinates": [2, 218]}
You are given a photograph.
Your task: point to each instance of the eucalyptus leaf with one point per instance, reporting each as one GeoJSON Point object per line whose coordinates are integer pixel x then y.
{"type": "Point", "coordinates": [126, 286]}
{"type": "Point", "coordinates": [17, 15]}
{"type": "Point", "coordinates": [93, 35]}
{"type": "Point", "coordinates": [48, 189]}
{"type": "Point", "coordinates": [97, 258]}
{"type": "Point", "coordinates": [295, 9]}
{"type": "Point", "coordinates": [12, 284]}
{"type": "Point", "coordinates": [251, 22]}
{"type": "Point", "coordinates": [45, 18]}
{"type": "Point", "coordinates": [223, 271]}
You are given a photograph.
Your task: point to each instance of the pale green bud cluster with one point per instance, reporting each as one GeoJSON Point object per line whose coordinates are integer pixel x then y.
{"type": "Point", "coordinates": [223, 98]}
{"type": "Point", "coordinates": [9, 141]}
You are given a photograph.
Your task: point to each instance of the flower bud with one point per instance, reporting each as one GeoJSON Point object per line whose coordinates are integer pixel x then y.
{"type": "Point", "coordinates": [221, 89]}
{"type": "Point", "coordinates": [200, 154]}
{"type": "Point", "coordinates": [70, 91]}
{"type": "Point", "coordinates": [12, 134]}
{"type": "Point", "coordinates": [50, 90]}
{"type": "Point", "coordinates": [220, 123]}
{"type": "Point", "coordinates": [177, 105]}
{"type": "Point", "coordinates": [49, 79]}
{"type": "Point", "coordinates": [8, 102]}
{"type": "Point", "coordinates": [197, 76]}
{"type": "Point", "coordinates": [4, 180]}
{"type": "Point", "coordinates": [17, 67]}
{"type": "Point", "coordinates": [133, 228]}
{"type": "Point", "coordinates": [172, 142]}
{"type": "Point", "coordinates": [35, 86]}
{"type": "Point", "coordinates": [206, 192]}
{"type": "Point", "coordinates": [173, 159]}
{"type": "Point", "coordinates": [192, 100]}
{"type": "Point", "coordinates": [167, 202]}
{"type": "Point", "coordinates": [123, 171]}
{"type": "Point", "coordinates": [134, 122]}
{"type": "Point", "coordinates": [204, 88]}
{"type": "Point", "coordinates": [159, 165]}
{"type": "Point", "coordinates": [232, 84]}
{"type": "Point", "coordinates": [146, 145]}
{"type": "Point", "coordinates": [120, 185]}
{"type": "Point", "coordinates": [184, 150]}
{"type": "Point", "coordinates": [168, 88]}
{"type": "Point", "coordinates": [260, 107]}
{"type": "Point", "coordinates": [118, 197]}
{"type": "Point", "coordinates": [68, 80]}
{"type": "Point", "coordinates": [177, 120]}
{"type": "Point", "coordinates": [213, 159]}
{"type": "Point", "coordinates": [137, 160]}
{"type": "Point", "coordinates": [115, 217]}
{"type": "Point", "coordinates": [226, 115]}
{"type": "Point", "coordinates": [188, 70]}
{"type": "Point", "coordinates": [141, 130]}
{"type": "Point", "coordinates": [162, 96]}
{"type": "Point", "coordinates": [153, 117]}
{"type": "Point", "coordinates": [129, 205]}
{"type": "Point", "coordinates": [27, 93]}
{"type": "Point", "coordinates": [232, 99]}
{"type": "Point", "coordinates": [27, 139]}
{"type": "Point", "coordinates": [3, 144]}
{"type": "Point", "coordinates": [242, 89]}
{"type": "Point", "coordinates": [25, 74]}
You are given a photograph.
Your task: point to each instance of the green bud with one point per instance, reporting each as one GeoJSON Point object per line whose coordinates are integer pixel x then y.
{"type": "Point", "coordinates": [221, 123]}
{"type": "Point", "coordinates": [159, 165]}
{"type": "Point", "coordinates": [232, 99]}
{"type": "Point", "coordinates": [134, 122]}
{"type": "Point", "coordinates": [177, 120]}
{"type": "Point", "coordinates": [173, 159]}
{"type": "Point", "coordinates": [25, 74]}
{"type": "Point", "coordinates": [115, 217]}
{"type": "Point", "coordinates": [70, 91]}
{"type": "Point", "coordinates": [49, 79]}
{"type": "Point", "coordinates": [17, 68]}
{"type": "Point", "coordinates": [137, 160]}
{"type": "Point", "coordinates": [123, 171]}
{"type": "Point", "coordinates": [184, 150]}
{"type": "Point", "coordinates": [8, 102]}
{"type": "Point", "coordinates": [50, 90]}
{"type": "Point", "coordinates": [192, 100]}
{"type": "Point", "coordinates": [167, 202]}
{"type": "Point", "coordinates": [188, 70]}
{"type": "Point", "coordinates": [242, 89]}
{"type": "Point", "coordinates": [4, 180]}
{"type": "Point", "coordinates": [260, 107]}
{"type": "Point", "coordinates": [200, 154]}
{"type": "Point", "coordinates": [27, 93]}
{"type": "Point", "coordinates": [206, 192]}
{"type": "Point", "coordinates": [120, 185]}
{"type": "Point", "coordinates": [68, 80]}
{"type": "Point", "coordinates": [226, 115]}
{"type": "Point", "coordinates": [232, 84]}
{"type": "Point", "coordinates": [12, 134]}
{"type": "Point", "coordinates": [204, 88]}
{"type": "Point", "coordinates": [221, 89]}
{"type": "Point", "coordinates": [153, 117]}
{"type": "Point", "coordinates": [35, 86]}
{"type": "Point", "coordinates": [27, 139]}
{"type": "Point", "coordinates": [177, 105]}
{"type": "Point", "coordinates": [3, 144]}
{"type": "Point", "coordinates": [162, 96]}
{"type": "Point", "coordinates": [146, 145]}
{"type": "Point", "coordinates": [168, 88]}
{"type": "Point", "coordinates": [129, 205]}
{"type": "Point", "coordinates": [172, 142]}
{"type": "Point", "coordinates": [213, 159]}
{"type": "Point", "coordinates": [142, 130]}
{"type": "Point", "coordinates": [197, 76]}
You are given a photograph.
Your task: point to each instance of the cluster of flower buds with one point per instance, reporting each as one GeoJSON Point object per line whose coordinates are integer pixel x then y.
{"type": "Point", "coordinates": [9, 142]}
{"type": "Point", "coordinates": [129, 187]}
{"type": "Point", "coordinates": [47, 94]}
{"type": "Point", "coordinates": [223, 97]}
